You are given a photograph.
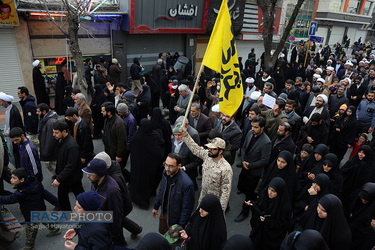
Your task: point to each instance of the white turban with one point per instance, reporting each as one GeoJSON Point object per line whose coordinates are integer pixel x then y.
{"type": "Point", "coordinates": [321, 71]}
{"type": "Point", "coordinates": [321, 80]}
{"type": "Point", "coordinates": [5, 97]}
{"type": "Point", "coordinates": [331, 68]}
{"type": "Point", "coordinates": [36, 63]}
{"type": "Point", "coordinates": [316, 76]}
{"type": "Point", "coordinates": [324, 97]}
{"type": "Point", "coordinates": [255, 95]}
{"type": "Point", "coordinates": [215, 108]}
{"type": "Point", "coordinates": [249, 80]}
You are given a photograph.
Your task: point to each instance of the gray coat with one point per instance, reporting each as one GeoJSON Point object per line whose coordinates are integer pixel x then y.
{"type": "Point", "coordinates": [259, 154]}
{"type": "Point", "coordinates": [48, 143]}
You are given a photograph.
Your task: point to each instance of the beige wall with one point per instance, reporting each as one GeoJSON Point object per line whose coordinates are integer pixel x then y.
{"type": "Point", "coordinates": [21, 34]}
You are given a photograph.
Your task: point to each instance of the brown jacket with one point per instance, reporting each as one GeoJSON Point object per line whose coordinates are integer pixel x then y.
{"type": "Point", "coordinates": [85, 113]}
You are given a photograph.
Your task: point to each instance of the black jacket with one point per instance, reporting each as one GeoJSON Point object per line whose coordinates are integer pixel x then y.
{"type": "Point", "coordinates": [29, 195]}
{"type": "Point", "coordinates": [181, 198]}
{"type": "Point", "coordinates": [68, 167]}
{"type": "Point", "coordinates": [84, 140]}
{"type": "Point", "coordinates": [115, 172]}
{"type": "Point", "coordinates": [29, 114]}
{"type": "Point", "coordinates": [286, 144]}
{"type": "Point", "coordinates": [95, 236]}
{"type": "Point", "coordinates": [15, 118]}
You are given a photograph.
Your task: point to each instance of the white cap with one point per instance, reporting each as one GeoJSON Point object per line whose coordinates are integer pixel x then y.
{"type": "Point", "coordinates": [36, 63]}
{"type": "Point", "coordinates": [282, 55]}
{"type": "Point", "coordinates": [249, 80]}
{"type": "Point", "coordinates": [255, 95]}
{"type": "Point", "coordinates": [330, 68]}
{"type": "Point", "coordinates": [316, 76]}
{"type": "Point", "coordinates": [5, 97]}
{"type": "Point", "coordinates": [324, 97]}
{"type": "Point", "coordinates": [215, 108]}
{"type": "Point", "coordinates": [321, 80]}
{"type": "Point", "coordinates": [114, 60]}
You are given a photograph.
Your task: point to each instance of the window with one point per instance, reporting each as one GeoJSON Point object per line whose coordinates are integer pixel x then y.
{"type": "Point", "coordinates": [301, 25]}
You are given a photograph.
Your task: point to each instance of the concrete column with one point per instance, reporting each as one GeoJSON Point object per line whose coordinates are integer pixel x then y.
{"type": "Point", "coordinates": [22, 37]}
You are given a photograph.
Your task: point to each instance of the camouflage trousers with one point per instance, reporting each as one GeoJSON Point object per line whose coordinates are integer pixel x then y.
{"type": "Point", "coordinates": [32, 231]}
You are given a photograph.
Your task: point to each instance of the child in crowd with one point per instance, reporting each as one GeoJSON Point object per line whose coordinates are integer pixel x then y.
{"type": "Point", "coordinates": [362, 140]}
{"type": "Point", "coordinates": [29, 194]}
{"type": "Point", "coordinates": [306, 151]}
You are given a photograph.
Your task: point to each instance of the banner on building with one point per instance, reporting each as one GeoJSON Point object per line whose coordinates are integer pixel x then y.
{"type": "Point", "coordinates": [8, 13]}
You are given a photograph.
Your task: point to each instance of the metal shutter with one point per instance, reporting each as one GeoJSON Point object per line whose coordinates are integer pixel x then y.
{"type": "Point", "coordinates": [10, 69]}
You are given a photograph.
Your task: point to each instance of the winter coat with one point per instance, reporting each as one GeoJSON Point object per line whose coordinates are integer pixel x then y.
{"type": "Point", "coordinates": [29, 114]}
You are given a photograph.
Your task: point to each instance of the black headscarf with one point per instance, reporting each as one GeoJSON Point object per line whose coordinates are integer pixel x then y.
{"type": "Point", "coordinates": [361, 215]}
{"type": "Point", "coordinates": [270, 233]}
{"type": "Point", "coordinates": [334, 174]}
{"type": "Point", "coordinates": [305, 199]}
{"type": "Point", "coordinates": [162, 126]}
{"type": "Point", "coordinates": [288, 173]}
{"type": "Point", "coordinates": [153, 85]}
{"type": "Point", "coordinates": [334, 229]}
{"type": "Point", "coordinates": [99, 97]}
{"type": "Point", "coordinates": [208, 232]}
{"type": "Point", "coordinates": [307, 240]}
{"type": "Point", "coordinates": [357, 172]}
{"type": "Point", "coordinates": [153, 241]}
{"type": "Point", "coordinates": [239, 242]}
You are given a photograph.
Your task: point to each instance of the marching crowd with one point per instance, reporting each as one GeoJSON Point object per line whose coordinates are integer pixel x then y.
{"type": "Point", "coordinates": [301, 192]}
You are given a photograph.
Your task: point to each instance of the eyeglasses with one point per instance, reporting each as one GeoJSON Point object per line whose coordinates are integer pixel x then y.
{"type": "Point", "coordinates": [327, 164]}
{"type": "Point", "coordinates": [168, 166]}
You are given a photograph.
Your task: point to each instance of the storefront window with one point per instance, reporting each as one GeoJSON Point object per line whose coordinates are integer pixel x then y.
{"type": "Point", "coordinates": [353, 7]}
{"type": "Point", "coordinates": [366, 10]}
{"type": "Point", "coordinates": [336, 5]}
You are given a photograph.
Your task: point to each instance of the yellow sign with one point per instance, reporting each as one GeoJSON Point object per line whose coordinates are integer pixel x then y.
{"type": "Point", "coordinates": [8, 13]}
{"type": "Point", "coordinates": [51, 69]}
{"type": "Point", "coordinates": [221, 56]}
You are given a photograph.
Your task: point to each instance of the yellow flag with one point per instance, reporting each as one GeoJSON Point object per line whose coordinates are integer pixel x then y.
{"type": "Point", "coordinates": [221, 56]}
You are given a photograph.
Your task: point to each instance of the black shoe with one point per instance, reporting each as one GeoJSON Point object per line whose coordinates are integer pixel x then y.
{"type": "Point", "coordinates": [241, 217]}
{"type": "Point", "coordinates": [133, 236]}
{"type": "Point", "coordinates": [239, 165]}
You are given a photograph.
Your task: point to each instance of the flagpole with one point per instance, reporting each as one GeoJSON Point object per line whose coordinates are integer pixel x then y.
{"type": "Point", "coordinates": [192, 94]}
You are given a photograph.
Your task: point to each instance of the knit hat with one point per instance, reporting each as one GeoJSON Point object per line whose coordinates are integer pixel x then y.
{"type": "Point", "coordinates": [105, 157]}
{"type": "Point", "coordinates": [36, 63]}
{"type": "Point", "coordinates": [122, 108]}
{"type": "Point", "coordinates": [324, 97]}
{"type": "Point", "coordinates": [344, 107]}
{"type": "Point", "coordinates": [176, 128]}
{"type": "Point", "coordinates": [128, 95]}
{"type": "Point", "coordinates": [283, 96]}
{"type": "Point", "coordinates": [114, 60]}
{"type": "Point", "coordinates": [96, 166]}
{"type": "Point", "coordinates": [89, 200]}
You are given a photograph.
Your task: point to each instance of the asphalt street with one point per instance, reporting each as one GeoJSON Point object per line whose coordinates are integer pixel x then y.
{"type": "Point", "coordinates": [141, 216]}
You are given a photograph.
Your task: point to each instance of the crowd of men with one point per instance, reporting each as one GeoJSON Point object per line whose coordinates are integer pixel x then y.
{"type": "Point", "coordinates": [320, 112]}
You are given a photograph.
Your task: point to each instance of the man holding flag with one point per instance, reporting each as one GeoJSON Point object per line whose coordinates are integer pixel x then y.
{"type": "Point", "coordinates": [221, 56]}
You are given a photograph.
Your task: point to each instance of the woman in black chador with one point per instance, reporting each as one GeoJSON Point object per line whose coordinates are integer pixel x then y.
{"type": "Point", "coordinates": [282, 167]}
{"type": "Point", "coordinates": [356, 172]}
{"type": "Point", "coordinates": [147, 148]}
{"type": "Point", "coordinates": [361, 214]}
{"type": "Point", "coordinates": [328, 218]}
{"type": "Point", "coordinates": [206, 229]}
{"type": "Point", "coordinates": [271, 216]}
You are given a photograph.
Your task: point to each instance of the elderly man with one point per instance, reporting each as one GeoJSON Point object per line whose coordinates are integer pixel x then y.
{"type": "Point", "coordinates": [12, 119]}
{"type": "Point", "coordinates": [217, 172]}
{"type": "Point", "coordinates": [183, 99]}
{"type": "Point", "coordinates": [199, 121]}
{"type": "Point", "coordinates": [39, 84]}
{"type": "Point", "coordinates": [321, 100]}
{"type": "Point", "coordinates": [84, 110]}
{"type": "Point", "coordinates": [274, 117]}
{"type": "Point", "coordinates": [115, 71]}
